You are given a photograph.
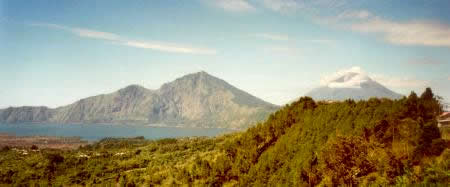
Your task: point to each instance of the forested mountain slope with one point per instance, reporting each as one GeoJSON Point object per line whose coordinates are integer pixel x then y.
{"type": "Point", "coordinates": [375, 141]}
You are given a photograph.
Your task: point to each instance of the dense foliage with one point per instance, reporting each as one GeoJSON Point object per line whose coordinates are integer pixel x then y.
{"type": "Point", "coordinates": [374, 141]}
{"type": "Point", "coordinates": [378, 141]}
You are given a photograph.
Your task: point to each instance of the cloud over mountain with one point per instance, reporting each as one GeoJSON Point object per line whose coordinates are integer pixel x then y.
{"type": "Point", "coordinates": [349, 78]}
{"type": "Point", "coordinates": [351, 83]}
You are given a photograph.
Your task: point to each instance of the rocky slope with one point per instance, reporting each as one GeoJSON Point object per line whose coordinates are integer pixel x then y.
{"type": "Point", "coordinates": [194, 100]}
{"type": "Point", "coordinates": [203, 100]}
{"type": "Point", "coordinates": [26, 114]}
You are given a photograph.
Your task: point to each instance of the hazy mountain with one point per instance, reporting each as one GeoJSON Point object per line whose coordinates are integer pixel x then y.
{"type": "Point", "coordinates": [26, 114]}
{"type": "Point", "coordinates": [203, 100]}
{"type": "Point", "coordinates": [128, 105]}
{"type": "Point", "coordinates": [194, 100]}
{"type": "Point", "coordinates": [351, 84]}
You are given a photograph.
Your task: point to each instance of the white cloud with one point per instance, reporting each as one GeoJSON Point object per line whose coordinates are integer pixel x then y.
{"type": "Point", "coordinates": [359, 14]}
{"type": "Point", "coordinates": [169, 47]}
{"type": "Point", "coordinates": [313, 7]}
{"type": "Point", "coordinates": [117, 39]}
{"type": "Point", "coordinates": [95, 34]}
{"type": "Point", "coordinates": [417, 32]}
{"type": "Point", "coordinates": [353, 77]}
{"type": "Point", "coordinates": [81, 32]}
{"type": "Point", "coordinates": [282, 5]}
{"type": "Point", "coordinates": [346, 78]}
{"type": "Point", "coordinates": [409, 33]}
{"type": "Point", "coordinates": [234, 5]}
{"type": "Point", "coordinates": [269, 36]}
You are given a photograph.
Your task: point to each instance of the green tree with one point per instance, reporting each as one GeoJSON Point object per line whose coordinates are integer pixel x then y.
{"type": "Point", "coordinates": [345, 160]}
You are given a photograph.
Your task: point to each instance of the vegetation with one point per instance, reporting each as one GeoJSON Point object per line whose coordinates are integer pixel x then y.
{"type": "Point", "coordinates": [374, 142]}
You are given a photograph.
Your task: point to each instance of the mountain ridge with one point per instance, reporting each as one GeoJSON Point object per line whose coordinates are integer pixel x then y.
{"type": "Point", "coordinates": [194, 100]}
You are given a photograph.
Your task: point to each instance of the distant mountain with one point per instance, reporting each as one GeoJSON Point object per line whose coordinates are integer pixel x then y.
{"type": "Point", "coordinates": [26, 114]}
{"type": "Point", "coordinates": [194, 100]}
{"type": "Point", "coordinates": [128, 105]}
{"type": "Point", "coordinates": [201, 99]}
{"type": "Point", "coordinates": [351, 84]}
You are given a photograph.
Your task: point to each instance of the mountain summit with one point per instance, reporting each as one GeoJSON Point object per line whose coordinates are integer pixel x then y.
{"type": "Point", "coordinates": [194, 100]}
{"type": "Point", "coordinates": [201, 98]}
{"type": "Point", "coordinates": [351, 84]}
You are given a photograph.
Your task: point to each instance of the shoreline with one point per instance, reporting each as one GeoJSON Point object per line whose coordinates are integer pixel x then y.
{"type": "Point", "coordinates": [25, 134]}
{"type": "Point", "coordinates": [42, 142]}
{"type": "Point", "coordinates": [121, 124]}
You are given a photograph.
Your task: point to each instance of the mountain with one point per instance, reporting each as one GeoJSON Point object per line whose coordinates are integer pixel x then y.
{"type": "Point", "coordinates": [26, 114]}
{"type": "Point", "coordinates": [201, 99]}
{"type": "Point", "coordinates": [351, 84]}
{"type": "Point", "coordinates": [194, 100]}
{"type": "Point", "coordinates": [128, 105]}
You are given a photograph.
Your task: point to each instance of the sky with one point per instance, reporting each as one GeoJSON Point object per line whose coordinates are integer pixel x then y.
{"type": "Point", "coordinates": [56, 52]}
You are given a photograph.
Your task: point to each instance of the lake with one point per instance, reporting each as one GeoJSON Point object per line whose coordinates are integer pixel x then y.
{"type": "Point", "coordinates": [92, 132]}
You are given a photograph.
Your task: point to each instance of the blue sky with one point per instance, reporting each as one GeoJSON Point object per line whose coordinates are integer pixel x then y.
{"type": "Point", "coordinates": [56, 52]}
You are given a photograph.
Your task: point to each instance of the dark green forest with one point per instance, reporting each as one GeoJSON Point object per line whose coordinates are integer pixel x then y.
{"type": "Point", "coordinates": [305, 143]}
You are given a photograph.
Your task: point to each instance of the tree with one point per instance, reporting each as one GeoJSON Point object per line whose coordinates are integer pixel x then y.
{"type": "Point", "coordinates": [345, 159]}
{"type": "Point", "coordinates": [427, 94]}
{"type": "Point", "coordinates": [411, 104]}
{"type": "Point", "coordinates": [429, 105]}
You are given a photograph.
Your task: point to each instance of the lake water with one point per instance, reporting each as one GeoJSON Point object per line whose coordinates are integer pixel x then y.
{"type": "Point", "coordinates": [94, 132]}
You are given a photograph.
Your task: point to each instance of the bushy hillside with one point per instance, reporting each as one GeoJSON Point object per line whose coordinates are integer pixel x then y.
{"type": "Point", "coordinates": [378, 141]}
{"type": "Point", "coordinates": [308, 143]}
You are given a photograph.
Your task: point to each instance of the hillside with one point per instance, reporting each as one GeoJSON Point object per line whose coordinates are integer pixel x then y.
{"type": "Point", "coordinates": [131, 104]}
{"type": "Point", "coordinates": [26, 114]}
{"type": "Point", "coordinates": [374, 142]}
{"type": "Point", "coordinates": [203, 100]}
{"type": "Point", "coordinates": [366, 142]}
{"type": "Point", "coordinates": [194, 100]}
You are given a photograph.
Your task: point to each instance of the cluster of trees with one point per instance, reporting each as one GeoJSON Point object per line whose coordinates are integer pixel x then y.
{"type": "Point", "coordinates": [378, 141]}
